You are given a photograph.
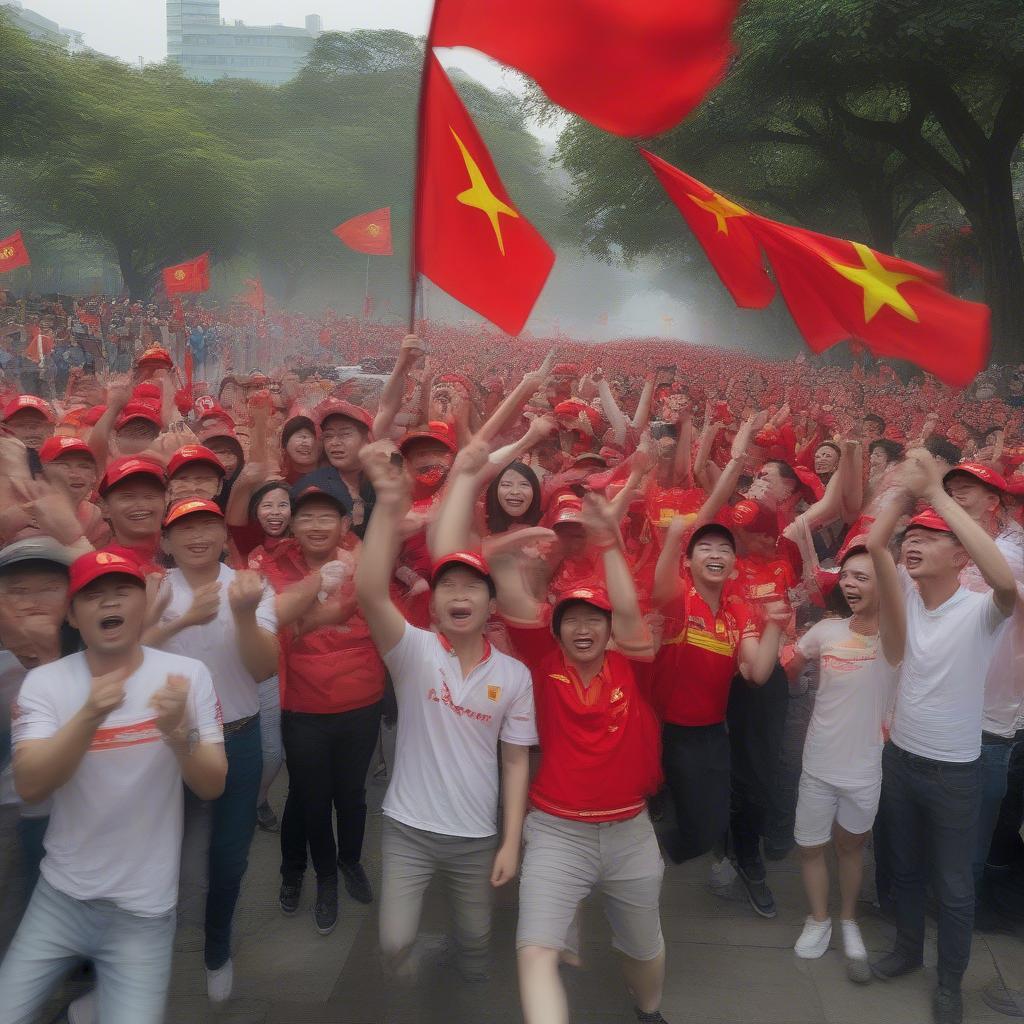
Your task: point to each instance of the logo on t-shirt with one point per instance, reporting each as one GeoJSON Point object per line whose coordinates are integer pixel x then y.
{"type": "Point", "coordinates": [493, 693]}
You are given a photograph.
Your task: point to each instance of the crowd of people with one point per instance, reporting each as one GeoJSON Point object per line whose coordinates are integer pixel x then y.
{"type": "Point", "coordinates": [583, 580]}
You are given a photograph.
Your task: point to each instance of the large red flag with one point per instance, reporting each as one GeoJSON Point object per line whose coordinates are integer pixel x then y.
{"type": "Point", "coordinates": [837, 290]}
{"type": "Point", "coordinates": [193, 276]}
{"type": "Point", "coordinates": [13, 253]}
{"type": "Point", "coordinates": [470, 240]}
{"type": "Point", "coordinates": [368, 233]}
{"type": "Point", "coordinates": [633, 67]}
{"type": "Point", "coordinates": [721, 228]}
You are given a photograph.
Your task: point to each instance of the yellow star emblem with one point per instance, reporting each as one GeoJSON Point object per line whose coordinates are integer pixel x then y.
{"type": "Point", "coordinates": [373, 230]}
{"type": "Point", "coordinates": [7, 252]}
{"type": "Point", "coordinates": [479, 194]}
{"type": "Point", "coordinates": [179, 275]}
{"type": "Point", "coordinates": [720, 208]}
{"type": "Point", "coordinates": [881, 286]}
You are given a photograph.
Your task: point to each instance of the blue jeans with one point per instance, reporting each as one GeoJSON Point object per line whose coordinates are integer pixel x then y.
{"type": "Point", "coordinates": [931, 821]}
{"type": "Point", "coordinates": [995, 766]}
{"type": "Point", "coordinates": [132, 956]}
{"type": "Point", "coordinates": [230, 822]}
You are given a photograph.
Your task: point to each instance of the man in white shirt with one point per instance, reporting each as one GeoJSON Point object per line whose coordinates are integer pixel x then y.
{"type": "Point", "coordinates": [931, 786]}
{"type": "Point", "coordinates": [457, 699]}
{"type": "Point", "coordinates": [226, 620]}
{"type": "Point", "coordinates": [109, 733]}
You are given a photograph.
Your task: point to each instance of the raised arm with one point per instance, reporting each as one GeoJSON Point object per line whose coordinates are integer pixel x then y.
{"type": "Point", "coordinates": [394, 389]}
{"type": "Point", "coordinates": [682, 470]}
{"type": "Point", "coordinates": [451, 530]}
{"type": "Point", "coordinates": [612, 413]}
{"type": "Point", "coordinates": [251, 477]}
{"type": "Point", "coordinates": [667, 582]}
{"type": "Point", "coordinates": [642, 415]}
{"type": "Point", "coordinates": [851, 463]}
{"type": "Point", "coordinates": [513, 403]}
{"type": "Point", "coordinates": [892, 609]}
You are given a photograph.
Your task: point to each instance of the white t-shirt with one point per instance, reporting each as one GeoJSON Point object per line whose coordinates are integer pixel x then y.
{"type": "Point", "coordinates": [445, 776]}
{"type": "Point", "coordinates": [844, 739]}
{"type": "Point", "coordinates": [216, 644]}
{"type": "Point", "coordinates": [942, 679]}
{"type": "Point", "coordinates": [116, 825]}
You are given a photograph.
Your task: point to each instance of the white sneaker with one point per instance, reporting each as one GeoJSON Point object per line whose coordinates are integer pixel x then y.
{"type": "Point", "coordinates": [814, 939]}
{"type": "Point", "coordinates": [83, 1009]}
{"type": "Point", "coordinates": [722, 876]}
{"type": "Point", "coordinates": [857, 967]}
{"type": "Point", "coordinates": [220, 982]}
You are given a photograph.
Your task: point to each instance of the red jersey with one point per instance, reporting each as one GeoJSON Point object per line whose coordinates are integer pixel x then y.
{"type": "Point", "coordinates": [698, 659]}
{"type": "Point", "coordinates": [144, 555]}
{"type": "Point", "coordinates": [600, 744]}
{"type": "Point", "coordinates": [762, 581]}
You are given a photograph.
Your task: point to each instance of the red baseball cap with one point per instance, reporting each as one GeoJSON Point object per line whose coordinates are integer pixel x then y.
{"type": "Point", "coordinates": [55, 447]}
{"type": "Point", "coordinates": [753, 516]}
{"type": "Point", "coordinates": [131, 465]}
{"type": "Point", "coordinates": [139, 411]}
{"type": "Point", "coordinates": [158, 355]}
{"type": "Point", "coordinates": [566, 508]}
{"type": "Point", "coordinates": [189, 507]}
{"type": "Point", "coordinates": [214, 411]}
{"type": "Point", "coordinates": [981, 472]}
{"type": "Point", "coordinates": [190, 453]}
{"type": "Point", "coordinates": [434, 431]}
{"type": "Point", "coordinates": [21, 402]}
{"type": "Point", "coordinates": [470, 559]}
{"type": "Point", "coordinates": [597, 596]}
{"type": "Point", "coordinates": [96, 564]}
{"type": "Point", "coordinates": [929, 519]}
{"type": "Point", "coordinates": [339, 407]}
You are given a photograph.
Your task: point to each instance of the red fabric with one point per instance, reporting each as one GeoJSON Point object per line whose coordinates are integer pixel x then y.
{"type": "Point", "coordinates": [254, 295]}
{"type": "Point", "coordinates": [13, 253]}
{"type": "Point", "coordinates": [762, 581]}
{"type": "Point", "coordinates": [630, 68]}
{"type": "Point", "coordinates": [192, 276]}
{"type": "Point", "coordinates": [722, 233]}
{"type": "Point", "coordinates": [144, 555]}
{"type": "Point", "coordinates": [368, 233]}
{"type": "Point", "coordinates": [39, 346]}
{"type": "Point", "coordinates": [916, 320]}
{"type": "Point", "coordinates": [488, 256]}
{"type": "Point", "coordinates": [600, 745]}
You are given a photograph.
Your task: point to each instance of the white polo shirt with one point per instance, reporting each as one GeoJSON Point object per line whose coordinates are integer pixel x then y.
{"type": "Point", "coordinates": [116, 825]}
{"type": "Point", "coordinates": [216, 643]}
{"type": "Point", "coordinates": [445, 776]}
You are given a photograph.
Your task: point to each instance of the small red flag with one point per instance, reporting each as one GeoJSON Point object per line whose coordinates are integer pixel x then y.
{"type": "Point", "coordinates": [39, 346]}
{"type": "Point", "coordinates": [13, 253]}
{"type": "Point", "coordinates": [193, 276]}
{"type": "Point", "coordinates": [368, 233]}
{"type": "Point", "coordinates": [721, 228]}
{"type": "Point", "coordinates": [632, 67]}
{"type": "Point", "coordinates": [469, 238]}
{"type": "Point", "coordinates": [91, 321]}
{"type": "Point", "coordinates": [838, 290]}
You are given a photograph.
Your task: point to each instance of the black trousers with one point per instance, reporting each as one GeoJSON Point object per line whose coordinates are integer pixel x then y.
{"type": "Point", "coordinates": [328, 757]}
{"type": "Point", "coordinates": [757, 720]}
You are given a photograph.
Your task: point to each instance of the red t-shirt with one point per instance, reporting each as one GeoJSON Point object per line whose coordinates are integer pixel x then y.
{"type": "Point", "coordinates": [600, 744]}
{"type": "Point", "coordinates": [698, 657]}
{"type": "Point", "coordinates": [144, 555]}
{"type": "Point", "coordinates": [762, 581]}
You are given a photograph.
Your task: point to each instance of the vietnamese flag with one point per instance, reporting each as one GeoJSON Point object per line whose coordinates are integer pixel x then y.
{"type": "Point", "coordinates": [469, 238]}
{"type": "Point", "coordinates": [721, 228]}
{"type": "Point", "coordinates": [193, 276]}
{"type": "Point", "coordinates": [369, 233]}
{"type": "Point", "coordinates": [632, 67]}
{"type": "Point", "coordinates": [13, 253]}
{"type": "Point", "coordinates": [838, 290]}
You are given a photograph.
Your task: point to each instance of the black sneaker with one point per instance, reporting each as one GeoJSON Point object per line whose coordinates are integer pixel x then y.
{"type": "Point", "coordinates": [266, 819]}
{"type": "Point", "coordinates": [291, 890]}
{"type": "Point", "coordinates": [650, 1018]}
{"type": "Point", "coordinates": [325, 910]}
{"type": "Point", "coordinates": [894, 965]}
{"type": "Point", "coordinates": [759, 895]}
{"type": "Point", "coordinates": [947, 1006]}
{"type": "Point", "coordinates": [357, 885]}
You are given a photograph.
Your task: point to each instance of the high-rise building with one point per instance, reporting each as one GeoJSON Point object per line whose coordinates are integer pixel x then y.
{"type": "Point", "coordinates": [207, 47]}
{"type": "Point", "coordinates": [42, 28]}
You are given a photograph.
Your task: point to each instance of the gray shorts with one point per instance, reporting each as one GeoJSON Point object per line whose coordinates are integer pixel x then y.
{"type": "Point", "coordinates": [567, 860]}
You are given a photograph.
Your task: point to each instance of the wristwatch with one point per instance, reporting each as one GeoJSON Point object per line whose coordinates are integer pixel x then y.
{"type": "Point", "coordinates": [189, 737]}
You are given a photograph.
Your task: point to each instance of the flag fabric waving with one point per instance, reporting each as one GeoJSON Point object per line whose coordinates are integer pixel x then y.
{"type": "Point", "coordinates": [13, 253]}
{"type": "Point", "coordinates": [369, 233]}
{"type": "Point", "coordinates": [470, 239]}
{"type": "Point", "coordinates": [837, 290]}
{"type": "Point", "coordinates": [632, 67]}
{"type": "Point", "coordinates": [39, 345]}
{"type": "Point", "coordinates": [722, 229]}
{"type": "Point", "coordinates": [192, 276]}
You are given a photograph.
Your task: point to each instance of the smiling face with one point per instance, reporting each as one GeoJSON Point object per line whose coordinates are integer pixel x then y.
{"type": "Point", "coordinates": [342, 439]}
{"type": "Point", "coordinates": [826, 460]}
{"type": "Point", "coordinates": [110, 614]}
{"type": "Point", "coordinates": [712, 561]}
{"type": "Point", "coordinates": [303, 448]}
{"type": "Point", "coordinates": [461, 602]}
{"type": "Point", "coordinates": [857, 584]}
{"type": "Point", "coordinates": [274, 512]}
{"type": "Point", "coordinates": [135, 508]}
{"type": "Point", "coordinates": [30, 427]}
{"type": "Point", "coordinates": [583, 633]}
{"type": "Point", "coordinates": [75, 473]}
{"type": "Point", "coordinates": [319, 527]}
{"type": "Point", "coordinates": [196, 541]}
{"type": "Point", "coordinates": [980, 502]}
{"type": "Point", "coordinates": [195, 480]}
{"type": "Point", "coordinates": [932, 554]}
{"type": "Point", "coordinates": [515, 493]}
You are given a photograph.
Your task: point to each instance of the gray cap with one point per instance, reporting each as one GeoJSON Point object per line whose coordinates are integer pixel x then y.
{"type": "Point", "coordinates": [36, 549]}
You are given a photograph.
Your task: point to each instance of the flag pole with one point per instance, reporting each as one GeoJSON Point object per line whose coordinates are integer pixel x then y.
{"type": "Point", "coordinates": [414, 274]}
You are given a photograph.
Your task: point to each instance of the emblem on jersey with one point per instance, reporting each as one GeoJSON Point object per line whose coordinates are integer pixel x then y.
{"type": "Point", "coordinates": [616, 695]}
{"type": "Point", "coordinates": [493, 693]}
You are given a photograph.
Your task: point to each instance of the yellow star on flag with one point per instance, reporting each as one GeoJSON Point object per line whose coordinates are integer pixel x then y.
{"type": "Point", "coordinates": [881, 286]}
{"type": "Point", "coordinates": [479, 194]}
{"type": "Point", "coordinates": [720, 208]}
{"type": "Point", "coordinates": [373, 230]}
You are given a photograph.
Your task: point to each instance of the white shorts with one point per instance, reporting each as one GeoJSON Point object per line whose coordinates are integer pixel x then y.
{"type": "Point", "coordinates": [819, 804]}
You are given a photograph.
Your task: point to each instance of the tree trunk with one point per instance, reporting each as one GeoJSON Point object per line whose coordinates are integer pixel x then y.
{"type": "Point", "coordinates": [135, 281]}
{"type": "Point", "coordinates": [994, 220]}
{"type": "Point", "coordinates": [877, 207]}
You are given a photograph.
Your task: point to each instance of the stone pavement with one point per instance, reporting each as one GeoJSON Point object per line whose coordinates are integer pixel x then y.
{"type": "Point", "coordinates": [725, 964]}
